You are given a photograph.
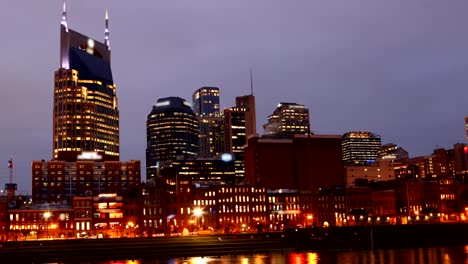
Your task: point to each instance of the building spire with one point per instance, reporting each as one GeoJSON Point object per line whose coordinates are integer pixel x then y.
{"type": "Point", "coordinates": [64, 16]}
{"type": "Point", "coordinates": [106, 31]}
{"type": "Point", "coordinates": [251, 82]}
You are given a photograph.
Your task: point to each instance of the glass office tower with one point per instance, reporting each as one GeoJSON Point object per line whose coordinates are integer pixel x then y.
{"type": "Point", "coordinates": [172, 133]}
{"type": "Point", "coordinates": [86, 115]}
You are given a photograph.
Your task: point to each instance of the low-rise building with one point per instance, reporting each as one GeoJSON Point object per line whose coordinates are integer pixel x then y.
{"type": "Point", "coordinates": [108, 216]}
{"type": "Point", "coordinates": [41, 221]}
{"type": "Point", "coordinates": [58, 181]}
{"type": "Point", "coordinates": [380, 170]}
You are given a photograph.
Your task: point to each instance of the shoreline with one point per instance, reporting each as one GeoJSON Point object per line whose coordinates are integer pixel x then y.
{"type": "Point", "coordinates": [298, 239]}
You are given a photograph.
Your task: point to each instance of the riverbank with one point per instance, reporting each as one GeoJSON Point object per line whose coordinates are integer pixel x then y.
{"type": "Point", "coordinates": [378, 236]}
{"type": "Point", "coordinates": [79, 250]}
{"type": "Point", "coordinates": [291, 240]}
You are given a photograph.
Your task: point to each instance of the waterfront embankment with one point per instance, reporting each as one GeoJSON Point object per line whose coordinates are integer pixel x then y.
{"type": "Point", "coordinates": [292, 239]}
{"type": "Point", "coordinates": [378, 236]}
{"type": "Point", "coordinates": [79, 250]}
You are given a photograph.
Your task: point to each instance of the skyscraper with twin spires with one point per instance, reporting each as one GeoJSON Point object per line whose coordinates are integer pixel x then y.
{"type": "Point", "coordinates": [85, 128]}
{"type": "Point", "coordinates": [86, 115]}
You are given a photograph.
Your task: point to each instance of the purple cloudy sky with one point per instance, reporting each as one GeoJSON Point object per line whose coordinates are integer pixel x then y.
{"type": "Point", "coordinates": [397, 68]}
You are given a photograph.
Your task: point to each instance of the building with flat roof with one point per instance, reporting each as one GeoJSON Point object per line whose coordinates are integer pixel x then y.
{"type": "Point", "coordinates": [305, 162]}
{"type": "Point", "coordinates": [393, 151]}
{"type": "Point", "coordinates": [466, 128]}
{"type": "Point", "coordinates": [205, 105]}
{"type": "Point", "coordinates": [460, 158]}
{"type": "Point", "coordinates": [380, 170]}
{"type": "Point", "coordinates": [202, 171]}
{"type": "Point", "coordinates": [206, 101]}
{"type": "Point", "coordinates": [247, 102]}
{"type": "Point", "coordinates": [235, 137]}
{"type": "Point", "coordinates": [59, 181]}
{"type": "Point", "coordinates": [360, 147]}
{"type": "Point", "coordinates": [287, 119]}
{"type": "Point", "coordinates": [210, 136]}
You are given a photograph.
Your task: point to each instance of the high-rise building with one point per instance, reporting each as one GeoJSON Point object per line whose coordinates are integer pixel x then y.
{"type": "Point", "coordinates": [86, 115]}
{"type": "Point", "coordinates": [85, 126]}
{"type": "Point", "coordinates": [247, 102]}
{"type": "Point", "coordinates": [171, 132]}
{"type": "Point", "coordinates": [235, 137]}
{"type": "Point", "coordinates": [360, 147]}
{"type": "Point", "coordinates": [210, 124]}
{"type": "Point", "coordinates": [206, 101]}
{"type": "Point", "coordinates": [287, 120]}
{"type": "Point", "coordinates": [210, 136]}
{"type": "Point", "coordinates": [466, 128]}
{"type": "Point", "coordinates": [239, 124]}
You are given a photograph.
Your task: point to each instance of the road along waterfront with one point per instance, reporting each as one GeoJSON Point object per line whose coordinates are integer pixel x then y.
{"type": "Point", "coordinates": [81, 250]}
{"type": "Point", "coordinates": [357, 238]}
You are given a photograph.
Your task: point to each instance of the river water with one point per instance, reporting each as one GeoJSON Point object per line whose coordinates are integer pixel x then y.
{"type": "Point", "coordinates": [442, 255]}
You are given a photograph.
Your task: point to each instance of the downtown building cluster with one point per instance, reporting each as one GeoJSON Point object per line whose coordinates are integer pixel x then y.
{"type": "Point", "coordinates": [209, 170]}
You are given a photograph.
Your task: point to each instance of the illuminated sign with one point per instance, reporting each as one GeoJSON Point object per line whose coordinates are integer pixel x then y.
{"type": "Point", "coordinates": [286, 212]}
{"type": "Point", "coordinates": [163, 103]}
{"type": "Point", "coordinates": [297, 106]}
{"type": "Point", "coordinates": [90, 46]}
{"type": "Point", "coordinates": [107, 195]}
{"type": "Point", "coordinates": [91, 43]}
{"type": "Point", "coordinates": [89, 155]}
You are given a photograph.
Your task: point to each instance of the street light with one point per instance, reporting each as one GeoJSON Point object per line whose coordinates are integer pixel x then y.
{"type": "Point", "coordinates": [130, 225]}
{"type": "Point", "coordinates": [309, 219]}
{"type": "Point", "coordinates": [197, 212]}
{"type": "Point", "coordinates": [46, 217]}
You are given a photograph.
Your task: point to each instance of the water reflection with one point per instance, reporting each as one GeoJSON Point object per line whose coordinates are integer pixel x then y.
{"type": "Point", "coordinates": [396, 256]}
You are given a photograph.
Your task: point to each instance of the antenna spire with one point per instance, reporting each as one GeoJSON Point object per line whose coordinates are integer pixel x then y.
{"type": "Point", "coordinates": [10, 186]}
{"type": "Point", "coordinates": [251, 82]}
{"type": "Point", "coordinates": [64, 16]}
{"type": "Point", "coordinates": [106, 31]}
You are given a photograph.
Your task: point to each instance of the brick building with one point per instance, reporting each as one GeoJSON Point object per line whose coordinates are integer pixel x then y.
{"type": "Point", "coordinates": [59, 181]}
{"type": "Point", "coordinates": [305, 162]}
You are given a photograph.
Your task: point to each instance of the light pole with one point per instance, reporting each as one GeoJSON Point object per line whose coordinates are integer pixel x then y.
{"type": "Point", "coordinates": [309, 219]}
{"type": "Point", "coordinates": [197, 212]}
{"type": "Point", "coordinates": [130, 228]}
{"type": "Point", "coordinates": [46, 217]}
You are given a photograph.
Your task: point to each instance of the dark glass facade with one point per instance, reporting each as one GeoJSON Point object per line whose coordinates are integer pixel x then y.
{"type": "Point", "coordinates": [360, 147]}
{"type": "Point", "coordinates": [235, 137]}
{"type": "Point", "coordinates": [86, 115]}
{"type": "Point", "coordinates": [206, 101]}
{"type": "Point", "coordinates": [210, 136]}
{"type": "Point", "coordinates": [172, 133]}
{"type": "Point", "coordinates": [206, 106]}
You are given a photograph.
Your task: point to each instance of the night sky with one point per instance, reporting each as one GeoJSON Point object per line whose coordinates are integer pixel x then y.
{"type": "Point", "coordinates": [396, 68]}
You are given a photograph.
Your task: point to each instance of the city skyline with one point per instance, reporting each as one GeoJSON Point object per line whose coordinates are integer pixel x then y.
{"type": "Point", "coordinates": [305, 45]}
